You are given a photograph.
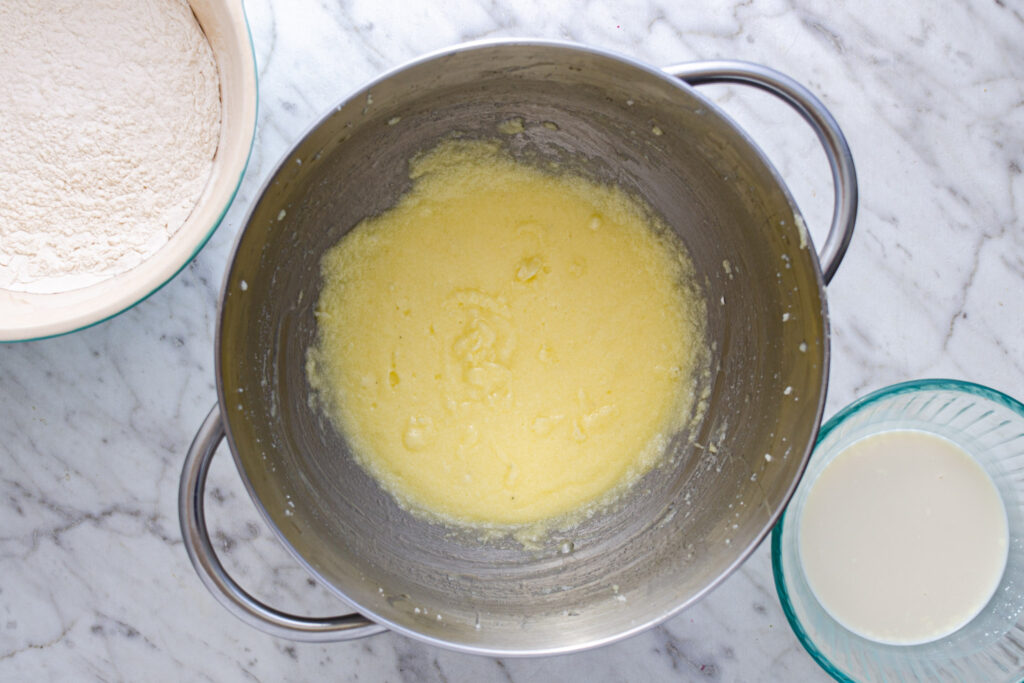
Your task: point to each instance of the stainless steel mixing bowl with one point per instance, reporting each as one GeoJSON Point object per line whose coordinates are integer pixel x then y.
{"type": "Point", "coordinates": [682, 528]}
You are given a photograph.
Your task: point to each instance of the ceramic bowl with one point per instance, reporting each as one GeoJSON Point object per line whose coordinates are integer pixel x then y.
{"type": "Point", "coordinates": [25, 316]}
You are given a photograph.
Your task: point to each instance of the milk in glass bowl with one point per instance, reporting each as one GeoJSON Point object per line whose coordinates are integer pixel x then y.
{"type": "Point", "coordinates": [901, 555]}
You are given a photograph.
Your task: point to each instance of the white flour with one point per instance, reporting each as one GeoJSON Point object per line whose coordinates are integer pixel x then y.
{"type": "Point", "coordinates": [109, 121]}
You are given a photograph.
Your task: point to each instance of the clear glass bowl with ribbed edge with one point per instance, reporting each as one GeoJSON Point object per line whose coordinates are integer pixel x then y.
{"type": "Point", "coordinates": [990, 426]}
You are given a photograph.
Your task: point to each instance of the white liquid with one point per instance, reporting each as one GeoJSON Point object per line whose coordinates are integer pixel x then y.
{"type": "Point", "coordinates": [903, 537]}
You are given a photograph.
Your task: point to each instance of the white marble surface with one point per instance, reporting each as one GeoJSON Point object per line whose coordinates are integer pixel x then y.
{"type": "Point", "coordinates": [94, 582]}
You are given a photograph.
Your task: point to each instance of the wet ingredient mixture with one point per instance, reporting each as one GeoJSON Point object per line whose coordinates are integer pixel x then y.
{"type": "Point", "coordinates": [506, 345]}
{"type": "Point", "coordinates": [903, 537]}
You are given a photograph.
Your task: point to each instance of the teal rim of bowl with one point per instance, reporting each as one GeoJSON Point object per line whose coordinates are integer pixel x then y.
{"type": "Point", "coordinates": [213, 227]}
{"type": "Point", "coordinates": [836, 420]}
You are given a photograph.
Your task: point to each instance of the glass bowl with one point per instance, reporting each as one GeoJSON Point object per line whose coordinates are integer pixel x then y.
{"type": "Point", "coordinates": [990, 426]}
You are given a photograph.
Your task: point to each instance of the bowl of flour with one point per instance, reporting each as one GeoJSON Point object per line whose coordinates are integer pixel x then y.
{"type": "Point", "coordinates": [126, 127]}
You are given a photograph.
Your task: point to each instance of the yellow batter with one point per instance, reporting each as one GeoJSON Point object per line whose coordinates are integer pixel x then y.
{"type": "Point", "coordinates": [506, 345]}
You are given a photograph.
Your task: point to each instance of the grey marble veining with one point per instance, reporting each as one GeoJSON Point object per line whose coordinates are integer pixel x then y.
{"type": "Point", "coordinates": [94, 582]}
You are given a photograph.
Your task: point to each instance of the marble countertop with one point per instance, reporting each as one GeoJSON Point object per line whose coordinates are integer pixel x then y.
{"type": "Point", "coordinates": [94, 581]}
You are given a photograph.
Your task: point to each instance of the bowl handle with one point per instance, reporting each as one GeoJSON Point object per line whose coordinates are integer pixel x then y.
{"type": "Point", "coordinates": [844, 175]}
{"type": "Point", "coordinates": [216, 579]}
